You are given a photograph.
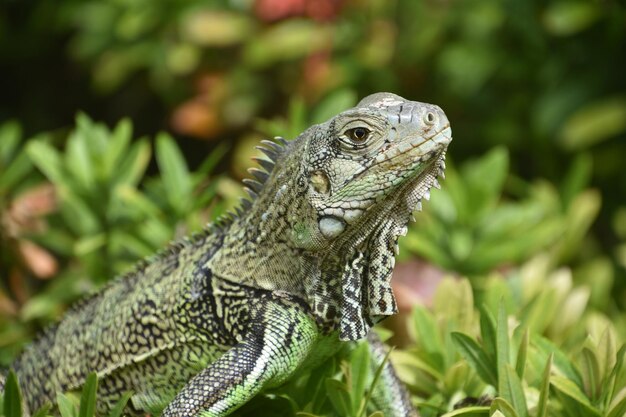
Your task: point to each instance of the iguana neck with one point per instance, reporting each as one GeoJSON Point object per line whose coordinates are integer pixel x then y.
{"type": "Point", "coordinates": [259, 247]}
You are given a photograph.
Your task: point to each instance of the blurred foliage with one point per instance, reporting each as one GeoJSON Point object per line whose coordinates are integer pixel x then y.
{"type": "Point", "coordinates": [532, 210]}
{"type": "Point", "coordinates": [99, 220]}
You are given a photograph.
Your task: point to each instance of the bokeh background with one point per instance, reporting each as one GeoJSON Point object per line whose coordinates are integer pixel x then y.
{"type": "Point", "coordinates": [535, 92]}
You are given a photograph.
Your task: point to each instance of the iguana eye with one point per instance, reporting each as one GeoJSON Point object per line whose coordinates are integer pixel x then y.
{"type": "Point", "coordinates": [358, 135]}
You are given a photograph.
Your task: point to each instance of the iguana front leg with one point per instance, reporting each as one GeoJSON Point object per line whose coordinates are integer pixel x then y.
{"type": "Point", "coordinates": [279, 340]}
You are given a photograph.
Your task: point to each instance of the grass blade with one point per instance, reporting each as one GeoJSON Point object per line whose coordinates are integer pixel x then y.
{"type": "Point", "coordinates": [118, 408]}
{"type": "Point", "coordinates": [88, 397]}
{"type": "Point", "coordinates": [12, 397]}
{"type": "Point", "coordinates": [544, 392]}
{"type": "Point", "coordinates": [475, 356]}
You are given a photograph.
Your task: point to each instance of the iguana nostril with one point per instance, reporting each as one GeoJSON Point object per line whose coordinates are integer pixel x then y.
{"type": "Point", "coordinates": [430, 118]}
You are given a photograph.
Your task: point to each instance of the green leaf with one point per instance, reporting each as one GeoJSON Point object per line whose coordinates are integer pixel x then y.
{"type": "Point", "coordinates": [474, 411]}
{"type": "Point", "coordinates": [89, 243]}
{"type": "Point", "coordinates": [174, 173]}
{"type": "Point", "coordinates": [578, 177]}
{"type": "Point", "coordinates": [88, 396]}
{"type": "Point", "coordinates": [285, 40]}
{"type": "Point", "coordinates": [590, 370]}
{"type": "Point", "coordinates": [427, 334]}
{"type": "Point", "coordinates": [568, 388]}
{"type": "Point", "coordinates": [488, 333]}
{"type": "Point", "coordinates": [476, 357]}
{"type": "Point", "coordinates": [618, 405]}
{"type": "Point", "coordinates": [10, 134]}
{"type": "Point", "coordinates": [560, 360]}
{"type": "Point", "coordinates": [118, 408]}
{"type": "Point", "coordinates": [19, 168]}
{"type": "Point", "coordinates": [454, 300]}
{"type": "Point", "coordinates": [12, 397]}
{"type": "Point", "coordinates": [510, 388]}
{"type": "Point", "coordinates": [339, 396]}
{"type": "Point", "coordinates": [502, 347]}
{"type": "Point", "coordinates": [359, 367]}
{"type": "Point", "coordinates": [565, 18]}
{"type": "Point", "coordinates": [377, 375]}
{"type": "Point", "coordinates": [594, 123]}
{"type": "Point", "coordinates": [484, 180]}
{"type": "Point", "coordinates": [78, 215]}
{"type": "Point", "coordinates": [609, 385]}
{"type": "Point", "coordinates": [544, 391]}
{"type": "Point", "coordinates": [520, 364]}
{"type": "Point", "coordinates": [47, 159]}
{"type": "Point", "coordinates": [78, 160]}
{"type": "Point", "coordinates": [133, 164]}
{"type": "Point", "coordinates": [66, 406]}
{"type": "Point", "coordinates": [503, 406]}
{"type": "Point", "coordinates": [43, 411]}
{"type": "Point", "coordinates": [580, 216]}
{"type": "Point", "coordinates": [117, 147]}
{"type": "Point", "coordinates": [315, 388]}
{"type": "Point", "coordinates": [606, 351]}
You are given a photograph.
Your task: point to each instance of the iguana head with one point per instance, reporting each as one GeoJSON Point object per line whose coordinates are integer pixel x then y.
{"type": "Point", "coordinates": [378, 158]}
{"type": "Point", "coordinates": [367, 170]}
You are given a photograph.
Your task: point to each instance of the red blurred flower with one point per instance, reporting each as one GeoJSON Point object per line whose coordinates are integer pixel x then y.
{"type": "Point", "coordinates": [273, 10]}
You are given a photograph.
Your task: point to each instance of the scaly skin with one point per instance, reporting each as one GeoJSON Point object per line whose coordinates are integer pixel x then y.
{"type": "Point", "coordinates": [303, 267]}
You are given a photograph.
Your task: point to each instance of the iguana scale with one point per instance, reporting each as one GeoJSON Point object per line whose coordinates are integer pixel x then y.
{"type": "Point", "coordinates": [301, 269]}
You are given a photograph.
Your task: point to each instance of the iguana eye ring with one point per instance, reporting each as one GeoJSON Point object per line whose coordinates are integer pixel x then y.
{"type": "Point", "coordinates": [358, 135]}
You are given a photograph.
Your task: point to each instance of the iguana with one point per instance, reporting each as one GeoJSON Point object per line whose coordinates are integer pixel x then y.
{"type": "Point", "coordinates": [302, 268]}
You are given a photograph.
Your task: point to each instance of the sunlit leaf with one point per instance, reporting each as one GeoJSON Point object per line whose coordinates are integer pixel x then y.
{"type": "Point", "coordinates": [569, 17]}
{"type": "Point", "coordinates": [67, 408]}
{"type": "Point", "coordinates": [502, 406]}
{"type": "Point", "coordinates": [474, 411]}
{"type": "Point", "coordinates": [544, 390]}
{"type": "Point", "coordinates": [573, 391]}
{"type": "Point", "coordinates": [502, 351]}
{"type": "Point", "coordinates": [359, 366]}
{"type": "Point", "coordinates": [12, 397]}
{"type": "Point", "coordinates": [88, 397]}
{"type": "Point", "coordinates": [476, 357]}
{"type": "Point", "coordinates": [522, 352]}
{"type": "Point", "coordinates": [10, 135]}
{"type": "Point", "coordinates": [510, 388]}
{"type": "Point", "coordinates": [339, 396]}
{"type": "Point", "coordinates": [47, 159]}
{"type": "Point", "coordinates": [594, 123]}
{"type": "Point", "coordinates": [117, 147]}
{"type": "Point", "coordinates": [174, 172]}
{"type": "Point", "coordinates": [427, 334]}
